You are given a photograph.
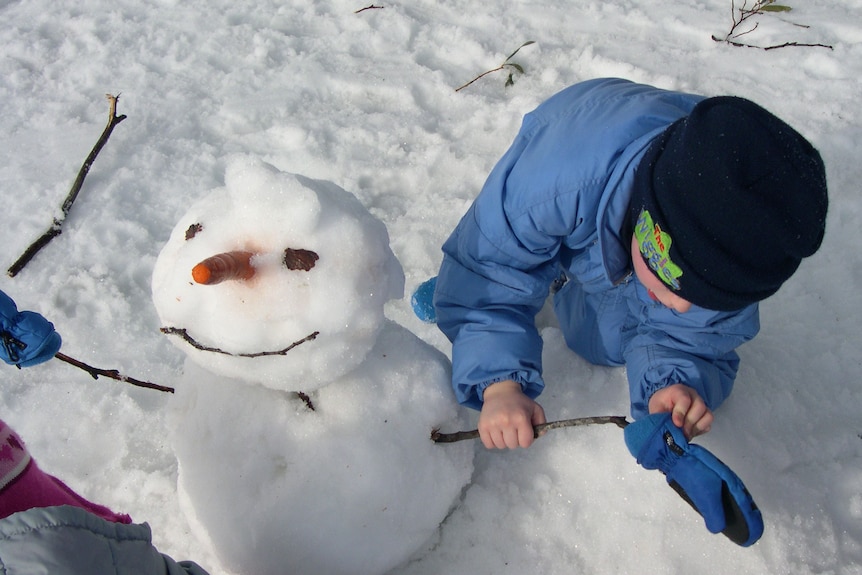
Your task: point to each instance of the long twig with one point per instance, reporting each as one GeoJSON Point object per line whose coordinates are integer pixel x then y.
{"type": "Point", "coordinates": [95, 372]}
{"type": "Point", "coordinates": [801, 45]}
{"type": "Point", "coordinates": [57, 227]}
{"type": "Point", "coordinates": [371, 7]}
{"type": "Point", "coordinates": [775, 47]}
{"type": "Point", "coordinates": [617, 420]}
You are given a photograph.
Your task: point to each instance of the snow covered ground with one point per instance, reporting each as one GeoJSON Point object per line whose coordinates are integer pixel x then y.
{"type": "Point", "coordinates": [367, 100]}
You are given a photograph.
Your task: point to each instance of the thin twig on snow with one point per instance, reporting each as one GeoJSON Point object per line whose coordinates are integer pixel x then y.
{"type": "Point", "coordinates": [95, 372]}
{"type": "Point", "coordinates": [57, 227]}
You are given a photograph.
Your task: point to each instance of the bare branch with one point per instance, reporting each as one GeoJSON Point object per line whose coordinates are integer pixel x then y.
{"type": "Point", "coordinates": [57, 227]}
{"type": "Point", "coordinates": [95, 372]}
{"type": "Point", "coordinates": [617, 420]}
{"type": "Point", "coordinates": [767, 48]}
{"type": "Point", "coordinates": [752, 29]}
{"type": "Point", "coordinates": [760, 7]}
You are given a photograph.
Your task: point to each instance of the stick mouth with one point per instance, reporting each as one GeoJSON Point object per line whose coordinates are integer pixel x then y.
{"type": "Point", "coordinates": [183, 334]}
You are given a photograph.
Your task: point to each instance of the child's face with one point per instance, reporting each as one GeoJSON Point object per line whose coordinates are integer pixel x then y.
{"type": "Point", "coordinates": [655, 287]}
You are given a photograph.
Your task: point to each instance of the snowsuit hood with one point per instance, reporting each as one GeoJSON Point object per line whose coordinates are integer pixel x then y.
{"type": "Point", "coordinates": [71, 541]}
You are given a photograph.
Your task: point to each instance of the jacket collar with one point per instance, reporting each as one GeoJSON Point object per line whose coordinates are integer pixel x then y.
{"type": "Point", "coordinates": [613, 210]}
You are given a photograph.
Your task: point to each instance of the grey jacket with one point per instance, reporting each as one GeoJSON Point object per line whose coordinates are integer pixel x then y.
{"type": "Point", "coordinates": [70, 541]}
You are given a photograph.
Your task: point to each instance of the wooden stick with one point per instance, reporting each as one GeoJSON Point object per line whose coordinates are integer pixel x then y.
{"type": "Point", "coordinates": [371, 7]}
{"type": "Point", "coordinates": [57, 227]}
{"type": "Point", "coordinates": [617, 420]}
{"type": "Point", "coordinates": [112, 373]}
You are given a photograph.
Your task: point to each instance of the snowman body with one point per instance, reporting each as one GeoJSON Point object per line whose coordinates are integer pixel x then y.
{"type": "Point", "coordinates": [303, 417]}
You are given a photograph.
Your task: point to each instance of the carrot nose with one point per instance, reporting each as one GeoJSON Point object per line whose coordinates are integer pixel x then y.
{"type": "Point", "coordinates": [222, 267]}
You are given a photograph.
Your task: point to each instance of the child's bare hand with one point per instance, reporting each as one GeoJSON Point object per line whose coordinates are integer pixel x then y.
{"type": "Point", "coordinates": [689, 410]}
{"type": "Point", "coordinates": [508, 416]}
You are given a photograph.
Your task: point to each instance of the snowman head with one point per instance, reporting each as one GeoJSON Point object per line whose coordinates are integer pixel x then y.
{"type": "Point", "coordinates": [276, 279]}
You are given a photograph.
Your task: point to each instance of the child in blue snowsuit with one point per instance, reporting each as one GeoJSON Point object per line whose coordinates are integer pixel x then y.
{"type": "Point", "coordinates": [660, 218]}
{"type": "Point", "coordinates": [46, 527]}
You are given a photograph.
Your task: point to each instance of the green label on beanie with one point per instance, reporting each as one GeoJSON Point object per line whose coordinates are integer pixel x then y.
{"type": "Point", "coordinates": [654, 245]}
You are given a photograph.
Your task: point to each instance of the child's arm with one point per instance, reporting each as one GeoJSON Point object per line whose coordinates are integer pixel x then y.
{"type": "Point", "coordinates": [508, 416]}
{"type": "Point", "coordinates": [696, 349]}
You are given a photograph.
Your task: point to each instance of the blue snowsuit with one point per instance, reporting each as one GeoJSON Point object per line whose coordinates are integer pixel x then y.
{"type": "Point", "coordinates": [556, 206]}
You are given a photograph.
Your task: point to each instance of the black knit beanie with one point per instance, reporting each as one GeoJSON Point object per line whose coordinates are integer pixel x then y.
{"type": "Point", "coordinates": [727, 202]}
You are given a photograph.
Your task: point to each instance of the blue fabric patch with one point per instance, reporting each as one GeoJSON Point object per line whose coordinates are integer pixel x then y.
{"type": "Point", "coordinates": [422, 301]}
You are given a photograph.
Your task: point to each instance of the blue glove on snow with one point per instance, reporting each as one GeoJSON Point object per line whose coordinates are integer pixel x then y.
{"type": "Point", "coordinates": [26, 338]}
{"type": "Point", "coordinates": [423, 301]}
{"type": "Point", "coordinates": [699, 477]}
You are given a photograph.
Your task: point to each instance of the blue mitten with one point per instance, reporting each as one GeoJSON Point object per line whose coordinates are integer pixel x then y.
{"type": "Point", "coordinates": [699, 477]}
{"type": "Point", "coordinates": [423, 301]}
{"type": "Point", "coordinates": [26, 338]}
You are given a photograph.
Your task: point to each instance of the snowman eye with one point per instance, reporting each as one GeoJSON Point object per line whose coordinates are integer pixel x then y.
{"type": "Point", "coordinates": [299, 259]}
{"type": "Point", "coordinates": [193, 230]}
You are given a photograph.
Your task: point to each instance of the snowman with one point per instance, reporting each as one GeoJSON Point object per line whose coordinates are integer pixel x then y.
{"type": "Point", "coordinates": [303, 416]}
